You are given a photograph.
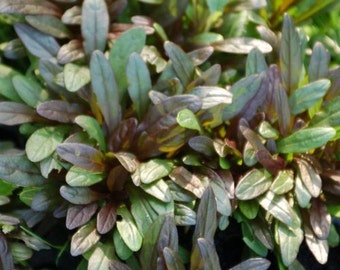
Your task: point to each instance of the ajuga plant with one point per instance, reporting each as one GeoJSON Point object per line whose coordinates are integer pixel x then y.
{"type": "Point", "coordinates": [132, 139]}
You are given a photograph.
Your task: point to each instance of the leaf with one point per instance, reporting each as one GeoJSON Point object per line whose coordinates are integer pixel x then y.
{"type": "Point", "coordinates": [93, 129]}
{"type": "Point", "coordinates": [13, 113]}
{"type": "Point", "coordinates": [94, 25]}
{"type": "Point", "coordinates": [106, 218]}
{"type": "Point", "coordinates": [17, 169]}
{"type": "Point", "coordinates": [7, 88]}
{"type": "Point", "coordinates": [281, 106]}
{"type": "Point", "coordinates": [79, 195]}
{"type": "Point", "coordinates": [48, 24]}
{"type": "Point", "coordinates": [172, 259]}
{"type": "Point", "coordinates": [279, 207]}
{"type": "Point", "coordinates": [319, 62]}
{"type": "Point", "coordinates": [139, 82]}
{"type": "Point", "coordinates": [252, 185]}
{"type": "Point", "coordinates": [203, 145]}
{"type": "Point", "coordinates": [101, 257]}
{"type": "Point", "coordinates": [318, 247]}
{"type": "Point", "coordinates": [283, 182]}
{"type": "Point", "coordinates": [305, 139]}
{"type": "Point", "coordinates": [105, 87]}
{"type": "Point", "coordinates": [15, 49]}
{"type": "Point", "coordinates": [320, 219]}
{"type": "Point", "coordinates": [302, 195]}
{"type": "Point", "coordinates": [72, 16]}
{"type": "Point", "coordinates": [60, 110]}
{"type": "Point", "coordinates": [242, 45]}
{"type": "Point", "coordinates": [78, 215]}
{"type": "Point", "coordinates": [128, 161]}
{"type": "Point", "coordinates": [329, 116]}
{"type": "Point", "coordinates": [37, 43]}
{"type": "Point", "coordinates": [206, 38]}
{"type": "Point", "coordinates": [206, 221]}
{"type": "Point", "coordinates": [253, 263]}
{"type": "Point", "coordinates": [252, 241]}
{"type": "Point", "coordinates": [168, 235]}
{"type": "Point", "coordinates": [70, 52]}
{"type": "Point", "coordinates": [200, 55]}
{"type": "Point", "coordinates": [187, 119]}
{"type": "Point", "coordinates": [83, 156]}
{"type": "Point", "coordinates": [117, 265]}
{"type": "Point", "coordinates": [289, 242]}
{"type": "Point", "coordinates": [290, 55]}
{"type": "Point", "coordinates": [128, 230]}
{"type": "Point", "coordinates": [305, 97]}
{"type": "Point", "coordinates": [29, 7]}
{"type": "Point", "coordinates": [84, 239]}
{"type": "Point", "coordinates": [184, 215]}
{"type": "Point", "coordinates": [75, 77]}
{"type": "Point", "coordinates": [78, 177]}
{"type": "Point", "coordinates": [6, 257]}
{"type": "Point", "coordinates": [187, 180]}
{"type": "Point", "coordinates": [209, 254]}
{"type": "Point", "coordinates": [181, 63]}
{"type": "Point", "coordinates": [29, 90]}
{"type": "Point", "coordinates": [249, 208]}
{"type": "Point", "coordinates": [212, 96]}
{"type": "Point", "coordinates": [158, 189]}
{"type": "Point", "coordinates": [256, 63]}
{"type": "Point", "coordinates": [151, 171]}
{"type": "Point", "coordinates": [242, 92]}
{"type": "Point", "coordinates": [131, 41]}
{"type": "Point", "coordinates": [121, 249]}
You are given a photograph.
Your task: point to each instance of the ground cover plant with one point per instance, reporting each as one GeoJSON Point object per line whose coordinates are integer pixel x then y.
{"type": "Point", "coordinates": [146, 127]}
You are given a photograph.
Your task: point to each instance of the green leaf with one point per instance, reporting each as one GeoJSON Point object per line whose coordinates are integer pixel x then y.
{"type": "Point", "coordinates": [128, 161]}
{"type": "Point", "coordinates": [37, 43]}
{"type": "Point", "coordinates": [208, 253]}
{"type": "Point", "coordinates": [281, 107]}
{"type": "Point", "coordinates": [79, 195]}
{"type": "Point", "coordinates": [289, 242]}
{"type": "Point", "coordinates": [252, 241]}
{"type": "Point", "coordinates": [105, 87]}
{"type": "Point", "coordinates": [279, 207]}
{"type": "Point", "coordinates": [216, 5]}
{"type": "Point", "coordinates": [29, 7]}
{"type": "Point", "coordinates": [84, 239]}
{"type": "Point", "coordinates": [6, 188]}
{"type": "Point", "coordinates": [203, 145]}
{"type": "Point", "coordinates": [249, 208]}
{"type": "Point", "coordinates": [43, 142]}
{"type": "Point", "coordinates": [93, 129]}
{"type": "Point", "coordinates": [308, 95]}
{"type": "Point", "coordinates": [290, 55]}
{"type": "Point", "coordinates": [242, 92]}
{"type": "Point", "coordinates": [320, 219]}
{"type": "Point", "coordinates": [206, 38]}
{"type": "Point", "coordinates": [242, 45]}
{"type": "Point", "coordinates": [305, 139]}
{"type": "Point", "coordinates": [13, 113]}
{"type": "Point", "coordinates": [329, 116]}
{"type": "Point", "coordinates": [172, 259]}
{"type": "Point", "coordinates": [184, 215]}
{"type": "Point", "coordinates": [181, 62]}
{"type": "Point", "coordinates": [6, 85]}
{"type": "Point", "coordinates": [83, 156]}
{"type": "Point", "coordinates": [221, 195]}
{"type": "Point", "coordinates": [75, 77]}
{"type": "Point", "coordinates": [187, 119]}
{"type": "Point", "coordinates": [302, 194]}
{"type": "Point", "coordinates": [121, 249]}
{"type": "Point", "coordinates": [158, 189]}
{"type": "Point", "coordinates": [252, 185]}
{"type": "Point", "coordinates": [29, 90]}
{"type": "Point", "coordinates": [254, 264]}
{"type": "Point", "coordinates": [70, 52]}
{"type": "Point", "coordinates": [48, 24]}
{"type": "Point", "coordinates": [128, 230]}
{"type": "Point", "coordinates": [131, 41]}
{"type": "Point", "coordinates": [283, 182]}
{"type": "Point", "coordinates": [139, 82]}
{"type": "Point", "coordinates": [94, 25]}
{"type": "Point", "coordinates": [256, 63]}
{"type": "Point", "coordinates": [101, 257]}
{"type": "Point", "coordinates": [78, 177]}
{"type": "Point", "coordinates": [151, 171]}
{"type": "Point", "coordinates": [319, 62]}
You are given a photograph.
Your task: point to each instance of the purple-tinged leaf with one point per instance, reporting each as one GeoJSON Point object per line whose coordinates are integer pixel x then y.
{"type": "Point", "coordinates": [211, 76]}
{"type": "Point", "coordinates": [318, 247]}
{"type": "Point", "coordinates": [6, 257]}
{"type": "Point", "coordinates": [84, 239]}
{"type": "Point", "coordinates": [184, 215]}
{"type": "Point", "coordinates": [32, 7]}
{"type": "Point", "coordinates": [122, 137]}
{"type": "Point", "coordinates": [263, 232]}
{"type": "Point", "coordinates": [172, 260]}
{"type": "Point", "coordinates": [334, 76]}
{"type": "Point", "coordinates": [329, 115]}
{"type": "Point", "coordinates": [203, 145]}
{"type": "Point", "coordinates": [290, 55]}
{"type": "Point", "coordinates": [79, 195]}
{"type": "Point", "coordinates": [199, 56]}
{"type": "Point", "coordinates": [168, 236]}
{"type": "Point", "coordinates": [281, 106]}
{"type": "Point", "coordinates": [106, 218]}
{"type": "Point", "coordinates": [242, 45]}
{"type": "Point", "coordinates": [256, 63]}
{"type": "Point", "coordinates": [70, 52]}
{"type": "Point", "coordinates": [208, 253]}
{"type": "Point", "coordinates": [212, 96]}
{"type": "Point", "coordinates": [128, 160]}
{"type": "Point", "coordinates": [253, 263]}
{"type": "Point", "coordinates": [13, 113]}
{"type": "Point", "coordinates": [39, 44]}
{"type": "Point", "coordinates": [72, 16]}
{"type": "Point", "coordinates": [158, 189]}
{"type": "Point", "coordinates": [117, 265]}
{"type": "Point", "coordinates": [94, 25]}
{"type": "Point", "coordinates": [78, 215]}
{"type": "Point", "coordinates": [60, 110]}
{"type": "Point", "coordinates": [319, 63]}
{"type": "Point", "coordinates": [83, 156]}
{"type": "Point", "coordinates": [320, 219]}
{"type": "Point", "coordinates": [15, 49]}
{"type": "Point", "coordinates": [106, 90]}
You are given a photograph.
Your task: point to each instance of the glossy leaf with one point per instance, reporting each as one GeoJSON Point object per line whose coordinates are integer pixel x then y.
{"type": "Point", "coordinates": [279, 207]}
{"type": "Point", "coordinates": [94, 25]}
{"type": "Point", "coordinates": [83, 156]}
{"type": "Point", "coordinates": [60, 110]}
{"type": "Point", "coordinates": [184, 215]}
{"type": "Point", "coordinates": [158, 189]}
{"type": "Point", "coordinates": [172, 259]}
{"type": "Point", "coordinates": [256, 63]}
{"type": "Point", "coordinates": [242, 92]}
{"type": "Point", "coordinates": [101, 257]}
{"type": "Point", "coordinates": [48, 24]}
{"type": "Point", "coordinates": [29, 7]}
{"type": "Point", "coordinates": [29, 90]}
{"type": "Point", "coordinates": [308, 95]}
{"type": "Point", "coordinates": [79, 195]}
{"type": "Point", "coordinates": [13, 113]}
{"type": "Point", "coordinates": [320, 219]}
{"type": "Point", "coordinates": [252, 185]}
{"type": "Point", "coordinates": [131, 41]}
{"type": "Point", "coordinates": [242, 45]}
{"type": "Point", "coordinates": [208, 253]}
{"type": "Point", "coordinates": [72, 16]}
{"type": "Point", "coordinates": [84, 239]}
{"type": "Point", "coordinates": [17, 169]}
{"type": "Point", "coordinates": [290, 55]}
{"type": "Point", "coordinates": [180, 62]}
{"type": "Point", "coordinates": [78, 177]}
{"type": "Point", "coordinates": [187, 119]}
{"type": "Point", "coordinates": [106, 218]}
{"type": "Point", "coordinates": [187, 180]}
{"type": "Point", "coordinates": [329, 115]}
{"type": "Point", "coordinates": [121, 249]}
{"type": "Point", "coordinates": [212, 96]}
{"type": "Point", "coordinates": [105, 87]}
{"type": "Point", "coordinates": [37, 43]}
{"type": "Point", "coordinates": [202, 144]}
{"type": "Point", "coordinates": [289, 242]}
{"type": "Point", "coordinates": [69, 52]}
{"type": "Point", "coordinates": [78, 215]}
{"type": "Point", "coordinates": [200, 55]}
{"type": "Point", "coordinates": [253, 263]}
{"type": "Point", "coordinates": [123, 136]}
{"type": "Point", "coordinates": [151, 171]}
{"type": "Point", "coordinates": [75, 77]}
{"type": "Point", "coordinates": [139, 82]}
{"type": "Point", "coordinates": [249, 208]}
{"type": "Point", "coordinates": [302, 194]}
{"type": "Point", "coordinates": [206, 38]}
{"type": "Point", "coordinates": [318, 247]}
{"type": "Point", "coordinates": [168, 236]}
{"type": "Point", "coordinates": [283, 182]}
{"type": "Point", "coordinates": [221, 195]}
{"type": "Point", "coordinates": [319, 62]}
{"type": "Point", "coordinates": [305, 139]}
